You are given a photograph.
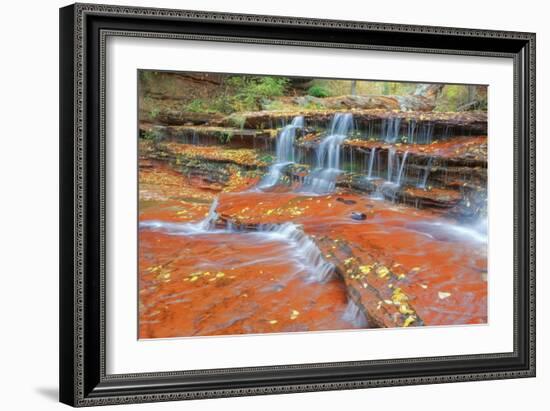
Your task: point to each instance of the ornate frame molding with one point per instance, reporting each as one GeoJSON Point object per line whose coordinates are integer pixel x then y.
{"type": "Point", "coordinates": [83, 378]}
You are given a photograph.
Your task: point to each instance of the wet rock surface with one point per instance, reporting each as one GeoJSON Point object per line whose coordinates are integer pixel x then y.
{"type": "Point", "coordinates": [397, 236]}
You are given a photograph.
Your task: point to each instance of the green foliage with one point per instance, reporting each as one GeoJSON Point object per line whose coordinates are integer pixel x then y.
{"type": "Point", "coordinates": [268, 159]}
{"type": "Point", "coordinates": [146, 76]}
{"type": "Point", "coordinates": [148, 135]}
{"type": "Point", "coordinates": [312, 105]}
{"type": "Point", "coordinates": [196, 106]}
{"type": "Point", "coordinates": [237, 120]}
{"type": "Point", "coordinates": [457, 97]}
{"type": "Point", "coordinates": [222, 104]}
{"type": "Point", "coordinates": [275, 105]}
{"type": "Point", "coordinates": [251, 92]}
{"type": "Point", "coordinates": [155, 111]}
{"type": "Point", "coordinates": [318, 91]}
{"type": "Point", "coordinates": [225, 137]}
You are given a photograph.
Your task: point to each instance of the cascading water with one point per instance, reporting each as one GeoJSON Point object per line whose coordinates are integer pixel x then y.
{"type": "Point", "coordinates": [402, 169]}
{"type": "Point", "coordinates": [355, 315]}
{"type": "Point", "coordinates": [206, 225]}
{"type": "Point", "coordinates": [304, 249]}
{"type": "Point", "coordinates": [426, 174]}
{"type": "Point", "coordinates": [390, 129]}
{"type": "Point", "coordinates": [391, 160]}
{"type": "Point", "coordinates": [371, 162]}
{"type": "Point", "coordinates": [396, 167]}
{"type": "Point", "coordinates": [285, 153]}
{"type": "Point", "coordinates": [411, 129]}
{"type": "Point", "coordinates": [285, 142]}
{"type": "Point", "coordinates": [323, 178]}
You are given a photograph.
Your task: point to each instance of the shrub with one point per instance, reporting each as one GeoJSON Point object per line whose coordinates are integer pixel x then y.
{"type": "Point", "coordinates": [318, 91]}
{"type": "Point", "coordinates": [250, 92]}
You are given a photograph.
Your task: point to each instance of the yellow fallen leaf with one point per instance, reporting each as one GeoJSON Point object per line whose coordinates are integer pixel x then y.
{"type": "Point", "coordinates": [194, 278]}
{"type": "Point", "coordinates": [365, 269]}
{"type": "Point", "coordinates": [348, 261]}
{"type": "Point", "coordinates": [164, 276]}
{"type": "Point", "coordinates": [220, 274]}
{"type": "Point", "coordinates": [273, 321]}
{"type": "Point", "coordinates": [382, 271]}
{"type": "Point", "coordinates": [410, 319]}
{"type": "Point", "coordinates": [415, 269]}
{"type": "Point", "coordinates": [405, 309]}
{"type": "Point", "coordinates": [399, 297]}
{"type": "Point", "coordinates": [442, 295]}
{"type": "Point", "coordinates": [424, 286]}
{"type": "Point", "coordinates": [294, 314]}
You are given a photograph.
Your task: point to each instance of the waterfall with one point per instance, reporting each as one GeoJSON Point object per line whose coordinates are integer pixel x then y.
{"type": "Point", "coordinates": [341, 124]}
{"type": "Point", "coordinates": [411, 128]}
{"type": "Point", "coordinates": [371, 162]}
{"type": "Point", "coordinates": [402, 168]}
{"type": "Point", "coordinates": [390, 129]}
{"type": "Point", "coordinates": [426, 174]}
{"type": "Point", "coordinates": [273, 175]}
{"type": "Point", "coordinates": [284, 151]}
{"type": "Point", "coordinates": [285, 142]}
{"type": "Point", "coordinates": [323, 178]}
{"type": "Point", "coordinates": [391, 159]}
{"type": "Point", "coordinates": [426, 133]}
{"type": "Point", "coordinates": [303, 248]}
{"type": "Point", "coordinates": [206, 225]}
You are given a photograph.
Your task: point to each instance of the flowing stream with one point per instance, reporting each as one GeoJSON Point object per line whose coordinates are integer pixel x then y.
{"type": "Point", "coordinates": [280, 259]}
{"type": "Point", "coordinates": [323, 178]}
{"type": "Point", "coordinates": [285, 152]}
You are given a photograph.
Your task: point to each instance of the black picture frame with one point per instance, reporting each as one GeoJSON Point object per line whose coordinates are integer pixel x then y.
{"type": "Point", "coordinates": [83, 30]}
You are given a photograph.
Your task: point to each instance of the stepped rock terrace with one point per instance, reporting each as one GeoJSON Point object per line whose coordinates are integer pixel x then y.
{"type": "Point", "coordinates": [359, 213]}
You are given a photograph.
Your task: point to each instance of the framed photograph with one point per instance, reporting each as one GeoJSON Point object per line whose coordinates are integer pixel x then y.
{"type": "Point", "coordinates": [261, 204]}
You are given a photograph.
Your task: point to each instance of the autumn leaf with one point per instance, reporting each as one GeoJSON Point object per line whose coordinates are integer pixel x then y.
{"type": "Point", "coordinates": [382, 271]}
{"type": "Point", "coordinates": [365, 269]}
{"type": "Point", "coordinates": [442, 295]}
{"type": "Point", "coordinates": [405, 309]}
{"type": "Point", "coordinates": [409, 320]}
